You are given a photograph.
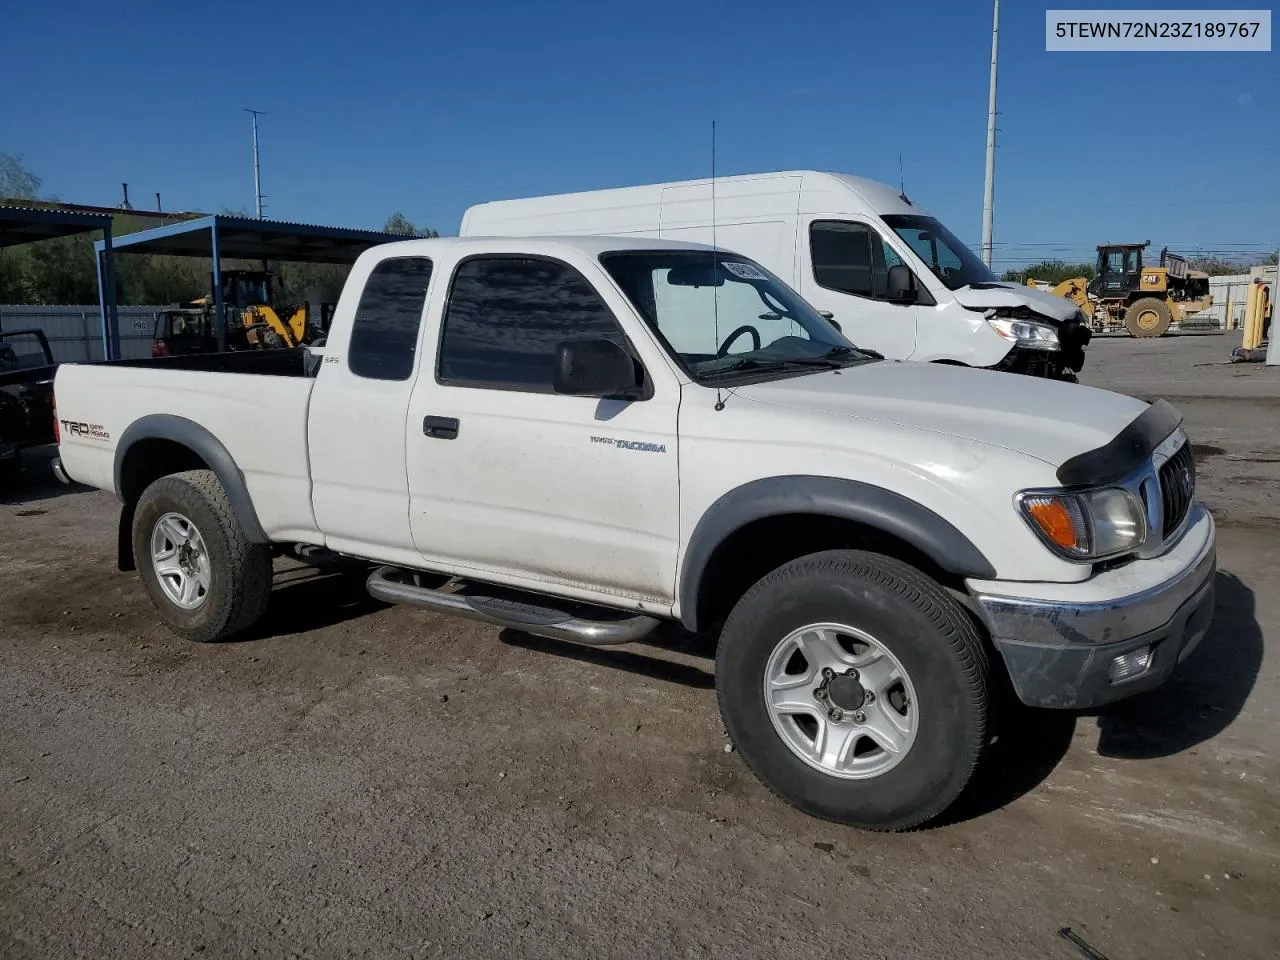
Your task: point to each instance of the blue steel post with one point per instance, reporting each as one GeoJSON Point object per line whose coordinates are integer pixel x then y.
{"type": "Point", "coordinates": [102, 299]}
{"type": "Point", "coordinates": [111, 318]}
{"type": "Point", "coordinates": [219, 320]}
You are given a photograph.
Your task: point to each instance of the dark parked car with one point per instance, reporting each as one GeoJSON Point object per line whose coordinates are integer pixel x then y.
{"type": "Point", "coordinates": [26, 396]}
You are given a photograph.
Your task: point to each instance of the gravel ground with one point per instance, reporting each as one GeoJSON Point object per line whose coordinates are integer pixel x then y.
{"type": "Point", "coordinates": [356, 780]}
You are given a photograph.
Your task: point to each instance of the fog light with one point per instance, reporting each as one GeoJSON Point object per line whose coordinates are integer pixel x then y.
{"type": "Point", "coordinates": [1130, 665]}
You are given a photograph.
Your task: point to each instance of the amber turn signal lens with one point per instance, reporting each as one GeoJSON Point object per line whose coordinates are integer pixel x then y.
{"type": "Point", "coordinates": [1055, 521]}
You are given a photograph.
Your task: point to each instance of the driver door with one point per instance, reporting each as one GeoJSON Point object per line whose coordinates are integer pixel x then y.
{"type": "Point", "coordinates": [845, 272]}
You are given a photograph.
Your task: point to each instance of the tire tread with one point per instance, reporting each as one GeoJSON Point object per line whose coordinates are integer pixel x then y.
{"type": "Point", "coordinates": [247, 568]}
{"type": "Point", "coordinates": [945, 614]}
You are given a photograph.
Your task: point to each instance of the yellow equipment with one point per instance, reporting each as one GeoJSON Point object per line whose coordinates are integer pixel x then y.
{"type": "Point", "coordinates": [1257, 314]}
{"type": "Point", "coordinates": [247, 296]}
{"type": "Point", "coordinates": [263, 324]}
{"type": "Point", "coordinates": [1146, 300]}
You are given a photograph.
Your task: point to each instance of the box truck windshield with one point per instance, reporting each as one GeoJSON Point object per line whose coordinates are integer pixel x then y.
{"type": "Point", "coordinates": [948, 258]}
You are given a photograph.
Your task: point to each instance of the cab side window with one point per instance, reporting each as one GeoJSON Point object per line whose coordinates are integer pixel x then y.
{"type": "Point", "coordinates": [384, 334]}
{"type": "Point", "coordinates": [506, 316]}
{"type": "Point", "coordinates": [850, 258]}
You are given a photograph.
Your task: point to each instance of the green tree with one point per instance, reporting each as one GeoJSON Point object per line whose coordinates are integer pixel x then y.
{"type": "Point", "coordinates": [1049, 271]}
{"type": "Point", "coordinates": [401, 225]}
{"type": "Point", "coordinates": [16, 181]}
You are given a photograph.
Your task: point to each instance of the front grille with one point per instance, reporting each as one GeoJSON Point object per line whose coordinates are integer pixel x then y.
{"type": "Point", "coordinates": [1177, 487]}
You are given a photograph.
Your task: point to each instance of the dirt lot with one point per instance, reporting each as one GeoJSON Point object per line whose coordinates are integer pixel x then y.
{"type": "Point", "coordinates": [363, 781]}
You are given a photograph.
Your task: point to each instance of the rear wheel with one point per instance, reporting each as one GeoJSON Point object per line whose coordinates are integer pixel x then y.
{"type": "Point", "coordinates": [1148, 317]}
{"type": "Point", "coordinates": [206, 579]}
{"type": "Point", "coordinates": [855, 688]}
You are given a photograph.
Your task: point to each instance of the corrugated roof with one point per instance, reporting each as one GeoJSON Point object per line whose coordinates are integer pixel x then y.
{"type": "Point", "coordinates": [28, 224]}
{"type": "Point", "coordinates": [248, 238]}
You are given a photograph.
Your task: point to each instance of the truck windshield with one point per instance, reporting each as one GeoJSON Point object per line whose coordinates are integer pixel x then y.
{"type": "Point", "coordinates": [726, 318]}
{"type": "Point", "coordinates": [949, 259]}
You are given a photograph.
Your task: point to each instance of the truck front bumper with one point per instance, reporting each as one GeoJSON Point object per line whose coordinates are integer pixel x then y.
{"type": "Point", "coordinates": [1121, 632]}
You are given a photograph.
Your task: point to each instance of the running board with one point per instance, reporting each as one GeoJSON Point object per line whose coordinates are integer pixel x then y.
{"type": "Point", "coordinates": [580, 622]}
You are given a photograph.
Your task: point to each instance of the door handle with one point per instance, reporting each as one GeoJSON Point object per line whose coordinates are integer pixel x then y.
{"type": "Point", "coordinates": [440, 428]}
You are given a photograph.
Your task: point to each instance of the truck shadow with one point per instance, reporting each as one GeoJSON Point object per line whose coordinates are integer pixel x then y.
{"type": "Point", "coordinates": [304, 599]}
{"type": "Point", "coordinates": [1026, 746]}
{"type": "Point", "coordinates": [1200, 700]}
{"type": "Point", "coordinates": [623, 658]}
{"type": "Point", "coordinates": [35, 481]}
{"type": "Point", "coordinates": [1205, 694]}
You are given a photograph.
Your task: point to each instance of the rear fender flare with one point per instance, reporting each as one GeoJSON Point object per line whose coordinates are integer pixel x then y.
{"type": "Point", "coordinates": [188, 433]}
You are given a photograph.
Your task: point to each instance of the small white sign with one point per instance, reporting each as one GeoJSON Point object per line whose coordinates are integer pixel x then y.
{"type": "Point", "coordinates": [1189, 31]}
{"type": "Point", "coordinates": [743, 271]}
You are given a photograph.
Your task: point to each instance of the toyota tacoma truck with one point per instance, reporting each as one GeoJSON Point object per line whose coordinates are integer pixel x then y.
{"type": "Point", "coordinates": [584, 438]}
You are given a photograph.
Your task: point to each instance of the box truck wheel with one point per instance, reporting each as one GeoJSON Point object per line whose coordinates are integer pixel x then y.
{"type": "Point", "coordinates": [855, 688]}
{"type": "Point", "coordinates": [206, 579]}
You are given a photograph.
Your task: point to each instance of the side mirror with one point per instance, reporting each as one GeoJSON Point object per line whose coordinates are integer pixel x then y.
{"type": "Point", "coordinates": [594, 368]}
{"type": "Point", "coordinates": [901, 285]}
{"type": "Point", "coordinates": [830, 317]}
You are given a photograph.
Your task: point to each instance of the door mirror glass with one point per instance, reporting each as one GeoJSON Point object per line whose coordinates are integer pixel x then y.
{"type": "Point", "coordinates": [901, 286]}
{"type": "Point", "coordinates": [594, 368]}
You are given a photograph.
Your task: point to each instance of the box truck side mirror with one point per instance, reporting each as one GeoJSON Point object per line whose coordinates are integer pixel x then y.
{"type": "Point", "coordinates": [901, 285]}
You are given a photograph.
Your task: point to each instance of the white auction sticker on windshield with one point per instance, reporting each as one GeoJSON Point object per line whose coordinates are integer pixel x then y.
{"type": "Point", "coordinates": [743, 271]}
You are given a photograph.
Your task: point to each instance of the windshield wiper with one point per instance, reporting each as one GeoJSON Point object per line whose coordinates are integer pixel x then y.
{"type": "Point", "coordinates": [746, 363]}
{"type": "Point", "coordinates": [839, 351]}
{"type": "Point", "coordinates": [838, 356]}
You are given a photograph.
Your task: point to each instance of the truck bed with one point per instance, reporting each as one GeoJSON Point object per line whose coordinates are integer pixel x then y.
{"type": "Point", "coordinates": [254, 403]}
{"type": "Point", "coordinates": [274, 363]}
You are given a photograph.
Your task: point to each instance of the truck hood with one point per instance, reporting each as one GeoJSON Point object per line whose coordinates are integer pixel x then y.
{"type": "Point", "coordinates": [1009, 295]}
{"type": "Point", "coordinates": [1046, 419]}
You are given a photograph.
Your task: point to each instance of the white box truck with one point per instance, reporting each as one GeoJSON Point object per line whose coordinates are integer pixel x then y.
{"type": "Point", "coordinates": [892, 277]}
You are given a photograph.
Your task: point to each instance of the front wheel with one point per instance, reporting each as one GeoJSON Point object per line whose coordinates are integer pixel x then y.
{"type": "Point", "coordinates": [855, 688]}
{"type": "Point", "coordinates": [1148, 317]}
{"type": "Point", "coordinates": [205, 578]}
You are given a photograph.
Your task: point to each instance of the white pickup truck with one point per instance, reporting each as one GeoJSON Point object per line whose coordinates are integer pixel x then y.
{"type": "Point", "coordinates": [585, 437]}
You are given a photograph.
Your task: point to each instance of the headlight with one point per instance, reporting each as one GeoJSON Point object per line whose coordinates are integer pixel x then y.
{"type": "Point", "coordinates": [1086, 525]}
{"type": "Point", "coordinates": [1026, 333]}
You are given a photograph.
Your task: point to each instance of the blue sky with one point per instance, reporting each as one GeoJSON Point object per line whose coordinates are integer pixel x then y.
{"type": "Point", "coordinates": [427, 108]}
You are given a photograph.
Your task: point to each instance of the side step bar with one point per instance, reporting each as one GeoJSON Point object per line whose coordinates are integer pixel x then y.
{"type": "Point", "coordinates": [580, 622]}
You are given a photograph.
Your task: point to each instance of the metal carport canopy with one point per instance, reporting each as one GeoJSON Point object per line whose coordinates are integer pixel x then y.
{"type": "Point", "coordinates": [247, 238]}
{"type": "Point", "coordinates": [30, 224]}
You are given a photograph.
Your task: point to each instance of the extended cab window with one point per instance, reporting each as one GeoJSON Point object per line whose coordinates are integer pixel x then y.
{"type": "Point", "coordinates": [850, 258]}
{"type": "Point", "coordinates": [384, 334]}
{"type": "Point", "coordinates": [507, 315]}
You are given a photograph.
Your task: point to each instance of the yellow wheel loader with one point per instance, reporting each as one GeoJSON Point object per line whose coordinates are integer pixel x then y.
{"type": "Point", "coordinates": [1145, 300]}
{"type": "Point", "coordinates": [253, 321]}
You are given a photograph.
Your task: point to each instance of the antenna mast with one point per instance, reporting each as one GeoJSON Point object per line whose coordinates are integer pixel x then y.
{"type": "Point", "coordinates": [715, 254]}
{"type": "Point", "coordinates": [257, 175]}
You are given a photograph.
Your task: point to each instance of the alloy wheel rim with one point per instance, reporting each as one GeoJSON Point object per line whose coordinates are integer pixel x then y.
{"type": "Point", "coordinates": [841, 701]}
{"type": "Point", "coordinates": [181, 561]}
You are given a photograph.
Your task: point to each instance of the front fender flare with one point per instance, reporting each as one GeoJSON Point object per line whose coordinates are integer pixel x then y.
{"type": "Point", "coordinates": [873, 506]}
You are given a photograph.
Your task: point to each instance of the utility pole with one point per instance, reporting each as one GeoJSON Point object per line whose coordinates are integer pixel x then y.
{"type": "Point", "coordinates": [989, 188]}
{"type": "Point", "coordinates": [257, 176]}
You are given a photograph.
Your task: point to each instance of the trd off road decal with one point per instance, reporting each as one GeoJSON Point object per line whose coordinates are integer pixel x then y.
{"type": "Point", "coordinates": [90, 431]}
